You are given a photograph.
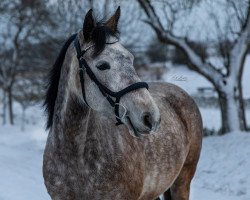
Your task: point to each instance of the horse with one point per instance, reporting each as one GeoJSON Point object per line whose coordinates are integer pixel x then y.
{"type": "Point", "coordinates": [112, 136]}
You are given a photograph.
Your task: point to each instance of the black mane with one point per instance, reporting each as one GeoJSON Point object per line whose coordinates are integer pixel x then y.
{"type": "Point", "coordinates": [99, 37]}
{"type": "Point", "coordinates": [53, 82]}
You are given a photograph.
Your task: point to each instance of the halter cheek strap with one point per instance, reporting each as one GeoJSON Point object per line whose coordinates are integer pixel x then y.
{"type": "Point", "coordinates": [107, 93]}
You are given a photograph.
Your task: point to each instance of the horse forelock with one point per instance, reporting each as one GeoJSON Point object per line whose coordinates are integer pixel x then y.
{"type": "Point", "coordinates": [100, 35]}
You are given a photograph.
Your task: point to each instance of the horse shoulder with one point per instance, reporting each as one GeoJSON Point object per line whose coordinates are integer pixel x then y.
{"type": "Point", "coordinates": [187, 110]}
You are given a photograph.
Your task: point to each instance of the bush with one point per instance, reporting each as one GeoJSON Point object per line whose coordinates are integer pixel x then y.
{"type": "Point", "coordinates": [209, 132]}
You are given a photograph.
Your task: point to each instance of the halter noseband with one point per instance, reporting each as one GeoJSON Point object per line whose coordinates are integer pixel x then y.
{"type": "Point", "coordinates": [107, 93]}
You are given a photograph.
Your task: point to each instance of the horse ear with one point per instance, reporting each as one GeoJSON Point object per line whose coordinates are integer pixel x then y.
{"type": "Point", "coordinates": [112, 23]}
{"type": "Point", "coordinates": [88, 25]}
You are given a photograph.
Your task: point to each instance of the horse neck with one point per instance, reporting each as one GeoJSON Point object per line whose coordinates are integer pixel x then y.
{"type": "Point", "coordinates": [74, 122]}
{"type": "Point", "coordinates": [70, 114]}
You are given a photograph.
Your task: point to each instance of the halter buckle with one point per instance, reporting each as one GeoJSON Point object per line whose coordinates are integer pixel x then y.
{"type": "Point", "coordinates": [81, 58]}
{"type": "Point", "coordinates": [125, 111]}
{"type": "Point", "coordinates": [82, 69]}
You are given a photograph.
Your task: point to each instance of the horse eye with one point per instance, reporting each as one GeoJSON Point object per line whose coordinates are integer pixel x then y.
{"type": "Point", "coordinates": [103, 66]}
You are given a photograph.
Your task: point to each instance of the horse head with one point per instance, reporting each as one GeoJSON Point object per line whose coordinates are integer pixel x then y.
{"type": "Point", "coordinates": [111, 80]}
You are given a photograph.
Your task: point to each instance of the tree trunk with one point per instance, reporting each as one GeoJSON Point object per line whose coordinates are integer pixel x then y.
{"type": "Point", "coordinates": [4, 107]}
{"type": "Point", "coordinates": [232, 109]}
{"type": "Point", "coordinates": [23, 119]}
{"type": "Point", "coordinates": [10, 106]}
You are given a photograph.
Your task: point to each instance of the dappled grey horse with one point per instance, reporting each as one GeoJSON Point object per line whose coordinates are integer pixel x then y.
{"type": "Point", "coordinates": [112, 136]}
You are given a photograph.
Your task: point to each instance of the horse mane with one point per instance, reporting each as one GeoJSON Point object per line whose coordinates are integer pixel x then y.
{"type": "Point", "coordinates": [99, 37]}
{"type": "Point", "coordinates": [53, 82]}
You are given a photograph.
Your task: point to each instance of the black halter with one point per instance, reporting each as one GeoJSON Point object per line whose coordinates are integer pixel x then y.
{"type": "Point", "coordinates": [104, 90]}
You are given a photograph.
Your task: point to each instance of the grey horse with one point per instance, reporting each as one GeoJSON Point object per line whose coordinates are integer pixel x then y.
{"type": "Point", "coordinates": [87, 156]}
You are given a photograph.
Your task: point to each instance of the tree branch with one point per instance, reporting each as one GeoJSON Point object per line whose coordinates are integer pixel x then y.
{"type": "Point", "coordinates": [241, 46]}
{"type": "Point", "coordinates": [196, 62]}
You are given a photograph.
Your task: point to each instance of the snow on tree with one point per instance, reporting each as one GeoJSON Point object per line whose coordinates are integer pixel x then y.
{"type": "Point", "coordinates": [231, 47]}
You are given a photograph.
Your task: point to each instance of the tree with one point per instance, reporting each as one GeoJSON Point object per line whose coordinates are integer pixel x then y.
{"type": "Point", "coordinates": [28, 91]}
{"type": "Point", "coordinates": [71, 15]}
{"type": "Point", "coordinates": [24, 22]}
{"type": "Point", "coordinates": [156, 51]}
{"type": "Point", "coordinates": [225, 78]}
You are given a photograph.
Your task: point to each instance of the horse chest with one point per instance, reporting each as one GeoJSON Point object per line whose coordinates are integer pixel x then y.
{"type": "Point", "coordinates": [123, 168]}
{"type": "Point", "coordinates": [164, 159]}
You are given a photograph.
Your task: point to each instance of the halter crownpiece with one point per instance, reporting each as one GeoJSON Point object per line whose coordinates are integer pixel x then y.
{"type": "Point", "coordinates": [107, 93]}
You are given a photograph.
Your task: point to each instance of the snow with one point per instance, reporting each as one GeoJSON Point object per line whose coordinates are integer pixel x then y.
{"type": "Point", "coordinates": [222, 174]}
{"type": "Point", "coordinates": [211, 118]}
{"type": "Point", "coordinates": [21, 163]}
{"type": "Point", "coordinates": [223, 171]}
{"type": "Point", "coordinates": [186, 79]}
{"type": "Point", "coordinates": [245, 78]}
{"type": "Point", "coordinates": [21, 155]}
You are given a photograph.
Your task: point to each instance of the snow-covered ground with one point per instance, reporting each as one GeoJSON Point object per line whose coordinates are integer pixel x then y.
{"type": "Point", "coordinates": [223, 172]}
{"type": "Point", "coordinates": [224, 168]}
{"type": "Point", "coordinates": [21, 163]}
{"type": "Point", "coordinates": [212, 120]}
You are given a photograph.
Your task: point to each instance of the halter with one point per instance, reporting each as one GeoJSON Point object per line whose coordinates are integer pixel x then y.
{"type": "Point", "coordinates": [107, 93]}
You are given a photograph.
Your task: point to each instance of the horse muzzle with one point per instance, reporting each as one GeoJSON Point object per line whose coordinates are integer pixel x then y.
{"type": "Point", "coordinates": [147, 123]}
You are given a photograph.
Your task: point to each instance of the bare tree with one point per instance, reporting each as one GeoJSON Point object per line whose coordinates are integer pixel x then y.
{"type": "Point", "coordinates": [24, 22]}
{"type": "Point", "coordinates": [71, 15]}
{"type": "Point", "coordinates": [28, 92]}
{"type": "Point", "coordinates": [225, 79]}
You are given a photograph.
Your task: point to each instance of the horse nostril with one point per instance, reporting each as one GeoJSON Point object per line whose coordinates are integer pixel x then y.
{"type": "Point", "coordinates": [147, 120]}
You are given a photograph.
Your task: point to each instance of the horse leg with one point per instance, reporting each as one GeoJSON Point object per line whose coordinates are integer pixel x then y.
{"type": "Point", "coordinates": [181, 187]}
{"type": "Point", "coordinates": [167, 195]}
